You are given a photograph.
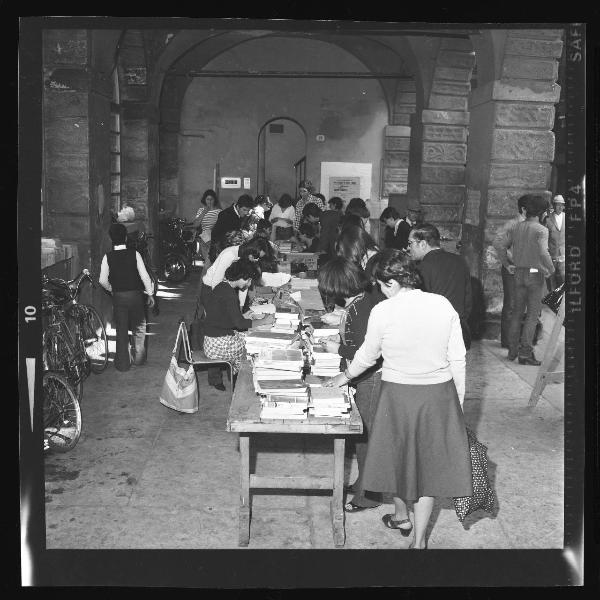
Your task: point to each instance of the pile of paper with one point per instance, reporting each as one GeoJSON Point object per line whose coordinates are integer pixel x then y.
{"type": "Point", "coordinates": [289, 359]}
{"type": "Point", "coordinates": [320, 331]}
{"type": "Point", "coordinates": [285, 247]}
{"type": "Point", "coordinates": [313, 381]}
{"type": "Point", "coordinates": [325, 364]}
{"type": "Point", "coordinates": [328, 402]}
{"type": "Point", "coordinates": [284, 407]}
{"type": "Point", "coordinates": [257, 340]}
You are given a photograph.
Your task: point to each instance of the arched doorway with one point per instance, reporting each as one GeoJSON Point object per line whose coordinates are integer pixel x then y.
{"type": "Point", "coordinates": [281, 147]}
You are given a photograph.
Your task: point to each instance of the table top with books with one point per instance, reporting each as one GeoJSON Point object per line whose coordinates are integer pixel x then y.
{"type": "Point", "coordinates": [291, 405]}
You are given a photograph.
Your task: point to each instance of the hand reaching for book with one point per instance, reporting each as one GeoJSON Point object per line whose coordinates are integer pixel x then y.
{"type": "Point", "coordinates": [337, 381]}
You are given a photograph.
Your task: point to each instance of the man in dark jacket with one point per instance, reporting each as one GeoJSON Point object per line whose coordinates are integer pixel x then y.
{"type": "Point", "coordinates": [391, 219]}
{"type": "Point", "coordinates": [443, 272]}
{"type": "Point", "coordinates": [230, 219]}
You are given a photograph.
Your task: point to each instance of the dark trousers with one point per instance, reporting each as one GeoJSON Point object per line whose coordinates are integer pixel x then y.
{"type": "Point", "coordinates": [508, 304]}
{"type": "Point", "coordinates": [129, 314]}
{"type": "Point", "coordinates": [558, 277]}
{"type": "Point", "coordinates": [366, 398]}
{"type": "Point", "coordinates": [214, 374]}
{"type": "Point", "coordinates": [529, 291]}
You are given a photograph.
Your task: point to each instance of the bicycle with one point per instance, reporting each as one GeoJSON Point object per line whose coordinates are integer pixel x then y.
{"type": "Point", "coordinates": [61, 413]}
{"type": "Point", "coordinates": [74, 338]}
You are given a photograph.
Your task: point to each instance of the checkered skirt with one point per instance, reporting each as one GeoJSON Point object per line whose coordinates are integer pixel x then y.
{"type": "Point", "coordinates": [226, 347]}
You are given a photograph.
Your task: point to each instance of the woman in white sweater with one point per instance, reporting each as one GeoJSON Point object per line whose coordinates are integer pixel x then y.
{"type": "Point", "coordinates": [418, 445]}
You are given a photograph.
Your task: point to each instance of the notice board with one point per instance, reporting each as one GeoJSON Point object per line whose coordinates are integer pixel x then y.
{"type": "Point", "coordinates": [346, 180]}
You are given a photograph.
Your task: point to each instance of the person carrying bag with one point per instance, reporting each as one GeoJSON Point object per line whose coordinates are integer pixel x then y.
{"type": "Point", "coordinates": [180, 388]}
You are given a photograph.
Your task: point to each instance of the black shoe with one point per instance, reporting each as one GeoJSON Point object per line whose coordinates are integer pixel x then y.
{"type": "Point", "coordinates": [511, 355]}
{"type": "Point", "coordinates": [529, 360]}
{"type": "Point", "coordinates": [503, 345]}
{"type": "Point", "coordinates": [219, 386]}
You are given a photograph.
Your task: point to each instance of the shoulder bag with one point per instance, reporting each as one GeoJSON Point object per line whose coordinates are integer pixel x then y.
{"type": "Point", "coordinates": [180, 388]}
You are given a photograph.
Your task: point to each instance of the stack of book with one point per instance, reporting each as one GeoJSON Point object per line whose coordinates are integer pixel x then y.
{"type": "Point", "coordinates": [329, 402]}
{"type": "Point", "coordinates": [278, 372]}
{"type": "Point", "coordinates": [284, 407]}
{"type": "Point", "coordinates": [325, 364]}
{"type": "Point", "coordinates": [284, 247]}
{"type": "Point", "coordinates": [256, 340]}
{"type": "Point", "coordinates": [320, 330]}
{"type": "Point", "coordinates": [313, 381]}
{"type": "Point", "coordinates": [286, 321]}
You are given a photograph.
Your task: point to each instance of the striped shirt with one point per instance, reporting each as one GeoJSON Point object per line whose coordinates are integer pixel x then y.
{"type": "Point", "coordinates": [208, 218]}
{"type": "Point", "coordinates": [302, 203]}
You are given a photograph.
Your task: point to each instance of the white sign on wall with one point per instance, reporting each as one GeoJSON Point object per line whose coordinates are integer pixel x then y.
{"type": "Point", "coordinates": [231, 182]}
{"type": "Point", "coordinates": [346, 180]}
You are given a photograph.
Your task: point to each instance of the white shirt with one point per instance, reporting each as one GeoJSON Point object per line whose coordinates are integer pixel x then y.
{"type": "Point", "coordinates": [216, 271]}
{"type": "Point", "coordinates": [286, 213]}
{"type": "Point", "coordinates": [141, 267]}
{"type": "Point", "coordinates": [420, 338]}
{"type": "Point", "coordinates": [559, 220]}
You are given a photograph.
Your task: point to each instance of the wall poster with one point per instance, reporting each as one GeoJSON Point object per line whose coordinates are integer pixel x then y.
{"type": "Point", "coordinates": [346, 180]}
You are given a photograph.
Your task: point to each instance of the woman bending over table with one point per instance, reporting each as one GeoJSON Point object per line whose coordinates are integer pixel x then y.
{"type": "Point", "coordinates": [417, 447]}
{"type": "Point", "coordinates": [346, 282]}
{"type": "Point", "coordinates": [224, 319]}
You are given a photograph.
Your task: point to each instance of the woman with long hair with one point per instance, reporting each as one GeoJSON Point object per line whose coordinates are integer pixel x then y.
{"type": "Point", "coordinates": [418, 446]}
{"type": "Point", "coordinates": [343, 280]}
{"type": "Point", "coordinates": [282, 216]}
{"type": "Point", "coordinates": [355, 244]}
{"type": "Point", "coordinates": [358, 207]}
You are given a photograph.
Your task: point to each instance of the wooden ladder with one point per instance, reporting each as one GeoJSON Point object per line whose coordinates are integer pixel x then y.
{"type": "Point", "coordinates": [544, 374]}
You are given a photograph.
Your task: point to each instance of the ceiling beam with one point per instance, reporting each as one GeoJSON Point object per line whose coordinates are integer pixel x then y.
{"type": "Point", "coordinates": [295, 74]}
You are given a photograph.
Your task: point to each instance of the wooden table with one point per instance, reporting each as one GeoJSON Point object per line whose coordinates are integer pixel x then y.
{"type": "Point", "coordinates": [244, 418]}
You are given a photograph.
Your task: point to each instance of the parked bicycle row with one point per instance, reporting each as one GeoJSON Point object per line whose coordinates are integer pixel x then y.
{"type": "Point", "coordinates": [74, 344]}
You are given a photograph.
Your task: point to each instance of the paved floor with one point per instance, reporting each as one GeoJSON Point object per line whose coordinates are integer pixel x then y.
{"type": "Point", "coordinates": [145, 476]}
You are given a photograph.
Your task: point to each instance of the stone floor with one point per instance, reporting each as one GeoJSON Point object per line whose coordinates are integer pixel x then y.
{"type": "Point", "coordinates": [146, 477]}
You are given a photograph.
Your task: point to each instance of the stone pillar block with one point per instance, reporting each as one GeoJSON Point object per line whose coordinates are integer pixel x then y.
{"type": "Point", "coordinates": [524, 175]}
{"type": "Point", "coordinates": [524, 115]}
{"type": "Point", "coordinates": [396, 159]}
{"type": "Point", "coordinates": [452, 88]}
{"type": "Point", "coordinates": [394, 187]}
{"type": "Point", "coordinates": [442, 213]}
{"type": "Point", "coordinates": [443, 174]}
{"type": "Point", "coordinates": [446, 117]}
{"type": "Point", "coordinates": [395, 174]}
{"type": "Point", "coordinates": [444, 153]}
{"type": "Point", "coordinates": [518, 67]}
{"type": "Point", "coordinates": [522, 144]}
{"type": "Point", "coordinates": [453, 58]}
{"type": "Point", "coordinates": [65, 46]}
{"type": "Point", "coordinates": [533, 47]}
{"type": "Point", "coordinates": [442, 194]}
{"type": "Point", "coordinates": [445, 133]}
{"type": "Point", "coordinates": [443, 102]}
{"type": "Point", "coordinates": [395, 143]}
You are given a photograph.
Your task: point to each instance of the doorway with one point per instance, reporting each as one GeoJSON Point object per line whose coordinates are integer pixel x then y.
{"type": "Point", "coordinates": [281, 149]}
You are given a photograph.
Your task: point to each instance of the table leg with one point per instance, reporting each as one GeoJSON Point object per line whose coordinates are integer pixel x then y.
{"type": "Point", "coordinates": [244, 490]}
{"type": "Point", "coordinates": [337, 498]}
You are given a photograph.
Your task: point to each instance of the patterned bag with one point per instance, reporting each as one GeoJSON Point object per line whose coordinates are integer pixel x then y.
{"type": "Point", "coordinates": [554, 298]}
{"type": "Point", "coordinates": [180, 388]}
{"type": "Point", "coordinates": [483, 495]}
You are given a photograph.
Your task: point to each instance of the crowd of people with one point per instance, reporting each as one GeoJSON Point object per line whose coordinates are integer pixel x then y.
{"type": "Point", "coordinates": [403, 334]}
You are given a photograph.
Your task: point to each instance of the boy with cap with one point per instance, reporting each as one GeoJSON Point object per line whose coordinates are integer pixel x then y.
{"type": "Point", "coordinates": [124, 274]}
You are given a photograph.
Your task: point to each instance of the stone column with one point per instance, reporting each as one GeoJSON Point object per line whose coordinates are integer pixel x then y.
{"type": "Point", "coordinates": [444, 138]}
{"type": "Point", "coordinates": [511, 148]}
{"type": "Point", "coordinates": [66, 112]}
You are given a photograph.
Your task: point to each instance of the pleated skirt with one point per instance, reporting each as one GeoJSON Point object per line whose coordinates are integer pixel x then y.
{"type": "Point", "coordinates": [418, 443]}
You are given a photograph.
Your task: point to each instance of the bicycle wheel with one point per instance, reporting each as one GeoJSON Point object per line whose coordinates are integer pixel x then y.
{"type": "Point", "coordinates": [56, 353]}
{"type": "Point", "coordinates": [175, 269]}
{"type": "Point", "coordinates": [62, 414]}
{"type": "Point", "coordinates": [94, 338]}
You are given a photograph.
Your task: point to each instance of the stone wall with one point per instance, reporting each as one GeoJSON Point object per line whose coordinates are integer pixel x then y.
{"type": "Point", "coordinates": [511, 146]}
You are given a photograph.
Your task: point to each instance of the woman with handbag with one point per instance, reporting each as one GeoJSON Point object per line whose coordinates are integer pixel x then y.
{"type": "Point", "coordinates": [224, 321]}
{"type": "Point", "coordinates": [418, 447]}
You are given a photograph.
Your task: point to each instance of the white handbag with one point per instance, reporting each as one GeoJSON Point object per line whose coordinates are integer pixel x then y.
{"type": "Point", "coordinates": [180, 388]}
